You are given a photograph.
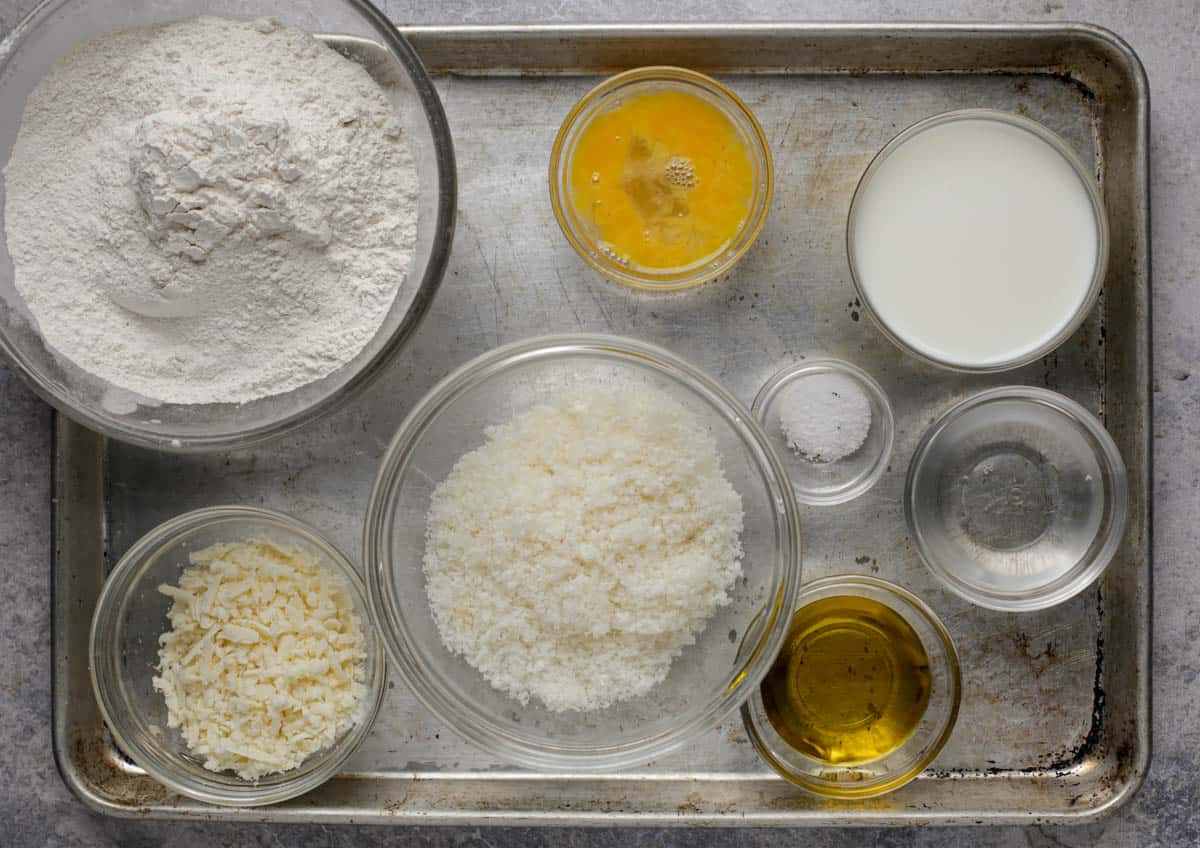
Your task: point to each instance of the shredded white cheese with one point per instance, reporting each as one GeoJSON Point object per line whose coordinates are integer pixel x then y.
{"type": "Point", "coordinates": [264, 662]}
{"type": "Point", "coordinates": [576, 553]}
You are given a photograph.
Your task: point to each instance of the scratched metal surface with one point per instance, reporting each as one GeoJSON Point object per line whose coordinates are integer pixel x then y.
{"type": "Point", "coordinates": [1030, 738]}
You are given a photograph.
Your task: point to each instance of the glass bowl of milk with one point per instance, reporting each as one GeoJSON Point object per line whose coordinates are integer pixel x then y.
{"type": "Point", "coordinates": [977, 240]}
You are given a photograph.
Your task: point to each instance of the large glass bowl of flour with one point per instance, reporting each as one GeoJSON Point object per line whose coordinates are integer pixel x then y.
{"type": "Point", "coordinates": [704, 683]}
{"type": "Point", "coordinates": [356, 30]}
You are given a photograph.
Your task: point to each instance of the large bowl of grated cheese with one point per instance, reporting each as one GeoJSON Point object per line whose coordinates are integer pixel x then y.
{"type": "Point", "coordinates": [568, 539]}
{"type": "Point", "coordinates": [234, 657]}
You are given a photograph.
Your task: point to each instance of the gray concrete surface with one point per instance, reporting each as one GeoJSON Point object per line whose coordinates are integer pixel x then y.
{"type": "Point", "coordinates": [36, 809]}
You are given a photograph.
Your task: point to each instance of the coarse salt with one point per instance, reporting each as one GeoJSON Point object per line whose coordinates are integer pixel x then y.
{"type": "Point", "coordinates": [825, 417]}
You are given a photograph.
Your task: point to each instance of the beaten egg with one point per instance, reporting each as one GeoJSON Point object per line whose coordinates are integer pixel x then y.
{"type": "Point", "coordinates": [664, 179]}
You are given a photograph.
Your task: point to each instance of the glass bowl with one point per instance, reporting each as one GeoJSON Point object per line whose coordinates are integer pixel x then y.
{"type": "Point", "coordinates": [610, 93]}
{"type": "Point", "coordinates": [1017, 498]}
{"type": "Point", "coordinates": [841, 480]}
{"type": "Point", "coordinates": [1070, 322]}
{"type": "Point", "coordinates": [130, 616]}
{"type": "Point", "coordinates": [892, 770]}
{"type": "Point", "coordinates": [706, 682]}
{"type": "Point", "coordinates": [361, 32]}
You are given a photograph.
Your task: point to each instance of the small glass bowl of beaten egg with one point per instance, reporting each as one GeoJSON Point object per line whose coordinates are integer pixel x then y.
{"type": "Point", "coordinates": [863, 695]}
{"type": "Point", "coordinates": [661, 178]}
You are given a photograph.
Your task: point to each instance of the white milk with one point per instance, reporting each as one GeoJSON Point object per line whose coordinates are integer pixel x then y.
{"type": "Point", "coordinates": [975, 242]}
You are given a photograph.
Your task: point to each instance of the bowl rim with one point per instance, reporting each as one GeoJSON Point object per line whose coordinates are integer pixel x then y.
{"type": "Point", "coordinates": [438, 696]}
{"type": "Point", "coordinates": [102, 641]}
{"type": "Point", "coordinates": [1090, 186]}
{"type": "Point", "coordinates": [1085, 571]}
{"type": "Point", "coordinates": [751, 228]}
{"type": "Point", "coordinates": [948, 722]}
{"type": "Point", "coordinates": [864, 482]}
{"type": "Point", "coordinates": [92, 417]}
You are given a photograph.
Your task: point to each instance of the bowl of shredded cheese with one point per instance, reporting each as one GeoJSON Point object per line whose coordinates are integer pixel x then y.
{"type": "Point", "coordinates": [233, 656]}
{"type": "Point", "coordinates": [568, 539]}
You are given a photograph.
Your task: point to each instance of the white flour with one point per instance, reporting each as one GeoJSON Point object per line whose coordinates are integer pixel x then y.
{"type": "Point", "coordinates": [212, 210]}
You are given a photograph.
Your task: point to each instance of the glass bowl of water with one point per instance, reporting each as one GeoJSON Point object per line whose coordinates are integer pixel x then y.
{"type": "Point", "coordinates": [1017, 498]}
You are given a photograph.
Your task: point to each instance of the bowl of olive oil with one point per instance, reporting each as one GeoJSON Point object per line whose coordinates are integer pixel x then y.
{"type": "Point", "coordinates": [864, 693]}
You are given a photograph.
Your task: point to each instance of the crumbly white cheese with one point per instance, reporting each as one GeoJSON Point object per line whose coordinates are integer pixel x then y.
{"type": "Point", "coordinates": [264, 662]}
{"type": "Point", "coordinates": [576, 553]}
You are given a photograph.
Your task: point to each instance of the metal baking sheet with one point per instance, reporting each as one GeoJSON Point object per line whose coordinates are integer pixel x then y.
{"type": "Point", "coordinates": [1055, 719]}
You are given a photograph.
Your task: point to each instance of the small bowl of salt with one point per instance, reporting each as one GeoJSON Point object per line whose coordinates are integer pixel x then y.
{"type": "Point", "coordinates": [831, 425]}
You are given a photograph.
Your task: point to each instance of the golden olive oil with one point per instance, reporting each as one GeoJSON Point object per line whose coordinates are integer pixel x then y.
{"type": "Point", "coordinates": [851, 682]}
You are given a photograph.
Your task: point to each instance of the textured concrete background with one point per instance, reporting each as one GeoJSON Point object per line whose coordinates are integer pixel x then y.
{"type": "Point", "coordinates": [36, 809]}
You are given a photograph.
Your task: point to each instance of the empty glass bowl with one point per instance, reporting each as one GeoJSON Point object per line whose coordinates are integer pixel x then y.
{"type": "Point", "coordinates": [130, 616]}
{"type": "Point", "coordinates": [1017, 498]}
{"type": "Point", "coordinates": [706, 682]}
{"type": "Point", "coordinates": [824, 483]}
{"type": "Point", "coordinates": [356, 29]}
{"type": "Point", "coordinates": [897, 767]}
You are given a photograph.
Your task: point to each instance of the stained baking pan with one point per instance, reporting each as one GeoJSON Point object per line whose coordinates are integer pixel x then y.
{"type": "Point", "coordinates": [1055, 717]}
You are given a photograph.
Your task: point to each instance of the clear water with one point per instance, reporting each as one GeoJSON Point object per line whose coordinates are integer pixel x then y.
{"type": "Point", "coordinates": [1010, 498]}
